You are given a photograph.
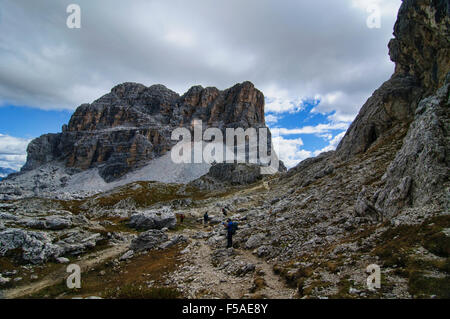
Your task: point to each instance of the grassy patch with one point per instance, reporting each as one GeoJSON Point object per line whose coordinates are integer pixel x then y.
{"type": "Point", "coordinates": [421, 286]}
{"type": "Point", "coordinates": [343, 289]}
{"type": "Point", "coordinates": [105, 279]}
{"type": "Point", "coordinates": [396, 248]}
{"type": "Point", "coordinates": [136, 291]}
{"type": "Point", "coordinates": [141, 194]}
{"type": "Point", "coordinates": [293, 276]}
{"type": "Point", "coordinates": [438, 244]}
{"type": "Point", "coordinates": [315, 285]}
{"type": "Point", "coordinates": [258, 284]}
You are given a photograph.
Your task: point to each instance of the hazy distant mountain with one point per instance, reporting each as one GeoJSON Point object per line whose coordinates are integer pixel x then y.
{"type": "Point", "coordinates": [5, 172]}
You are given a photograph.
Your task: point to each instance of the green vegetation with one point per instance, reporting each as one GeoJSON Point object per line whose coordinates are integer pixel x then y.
{"type": "Point", "coordinates": [396, 250]}
{"type": "Point", "coordinates": [294, 277]}
{"type": "Point", "coordinates": [422, 286]}
{"type": "Point", "coordinates": [343, 289]}
{"type": "Point", "coordinates": [135, 291]}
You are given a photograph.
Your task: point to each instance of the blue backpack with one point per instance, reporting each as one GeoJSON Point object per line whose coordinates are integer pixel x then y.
{"type": "Point", "coordinates": [234, 227]}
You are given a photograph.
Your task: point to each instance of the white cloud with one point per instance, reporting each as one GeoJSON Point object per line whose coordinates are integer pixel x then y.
{"type": "Point", "coordinates": [290, 150]}
{"type": "Point", "coordinates": [332, 145]}
{"type": "Point", "coordinates": [279, 100]}
{"type": "Point", "coordinates": [13, 151]}
{"type": "Point", "coordinates": [318, 129]}
{"type": "Point", "coordinates": [180, 37]}
{"type": "Point", "coordinates": [345, 104]}
{"type": "Point", "coordinates": [270, 118]}
{"type": "Point", "coordinates": [286, 48]}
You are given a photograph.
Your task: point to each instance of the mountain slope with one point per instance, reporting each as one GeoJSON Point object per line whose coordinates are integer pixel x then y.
{"type": "Point", "coordinates": [381, 198]}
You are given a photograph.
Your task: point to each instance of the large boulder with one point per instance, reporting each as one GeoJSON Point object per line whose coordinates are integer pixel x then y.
{"type": "Point", "coordinates": [255, 241]}
{"type": "Point", "coordinates": [49, 222]}
{"type": "Point", "coordinates": [35, 247]}
{"type": "Point", "coordinates": [236, 174]}
{"type": "Point", "coordinates": [153, 219]}
{"type": "Point", "coordinates": [148, 240]}
{"type": "Point", "coordinates": [77, 242]}
{"type": "Point", "coordinates": [175, 240]}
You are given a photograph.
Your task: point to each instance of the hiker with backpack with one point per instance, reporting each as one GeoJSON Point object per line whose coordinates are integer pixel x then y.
{"type": "Point", "coordinates": [231, 228]}
{"type": "Point", "coordinates": [205, 218]}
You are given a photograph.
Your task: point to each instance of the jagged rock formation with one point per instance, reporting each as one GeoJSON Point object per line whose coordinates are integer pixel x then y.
{"type": "Point", "coordinates": [132, 125]}
{"type": "Point", "coordinates": [420, 50]}
{"type": "Point", "coordinates": [380, 198]}
{"type": "Point", "coordinates": [153, 220]}
{"type": "Point", "coordinates": [419, 174]}
{"type": "Point", "coordinates": [223, 175]}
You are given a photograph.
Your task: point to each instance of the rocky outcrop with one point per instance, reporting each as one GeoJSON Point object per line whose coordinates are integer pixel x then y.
{"type": "Point", "coordinates": [419, 175]}
{"type": "Point", "coordinates": [420, 50]}
{"type": "Point", "coordinates": [132, 125]}
{"type": "Point", "coordinates": [226, 174]}
{"type": "Point", "coordinates": [155, 219]}
{"type": "Point", "coordinates": [34, 247]}
{"type": "Point", "coordinates": [37, 247]}
{"type": "Point", "coordinates": [49, 222]}
{"type": "Point", "coordinates": [421, 46]}
{"type": "Point", "coordinates": [148, 240]}
{"type": "Point", "coordinates": [387, 110]}
{"type": "Point", "coordinates": [410, 102]}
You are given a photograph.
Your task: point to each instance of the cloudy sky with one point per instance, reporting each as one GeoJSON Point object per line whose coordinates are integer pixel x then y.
{"type": "Point", "coordinates": [316, 61]}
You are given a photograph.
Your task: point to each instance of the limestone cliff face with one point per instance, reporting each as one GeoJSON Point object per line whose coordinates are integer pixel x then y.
{"type": "Point", "coordinates": [411, 108]}
{"type": "Point", "coordinates": [420, 50]}
{"type": "Point", "coordinates": [421, 47]}
{"type": "Point", "coordinates": [132, 124]}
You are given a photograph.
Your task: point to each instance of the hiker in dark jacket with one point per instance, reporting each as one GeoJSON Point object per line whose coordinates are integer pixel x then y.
{"type": "Point", "coordinates": [205, 218]}
{"type": "Point", "coordinates": [224, 212]}
{"type": "Point", "coordinates": [229, 227]}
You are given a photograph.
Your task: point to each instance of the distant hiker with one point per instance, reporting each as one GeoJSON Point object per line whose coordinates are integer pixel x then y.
{"type": "Point", "coordinates": [181, 218]}
{"type": "Point", "coordinates": [205, 218]}
{"type": "Point", "coordinates": [224, 212]}
{"type": "Point", "coordinates": [231, 228]}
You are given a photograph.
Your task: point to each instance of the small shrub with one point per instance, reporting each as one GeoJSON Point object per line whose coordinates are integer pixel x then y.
{"type": "Point", "coordinates": [438, 244]}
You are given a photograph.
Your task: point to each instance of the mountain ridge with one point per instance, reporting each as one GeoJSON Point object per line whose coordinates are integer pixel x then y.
{"type": "Point", "coordinates": [131, 125]}
{"type": "Point", "coordinates": [382, 198]}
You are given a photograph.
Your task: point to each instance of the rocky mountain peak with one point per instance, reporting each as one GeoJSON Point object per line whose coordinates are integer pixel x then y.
{"type": "Point", "coordinates": [126, 128]}
{"type": "Point", "coordinates": [380, 203]}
